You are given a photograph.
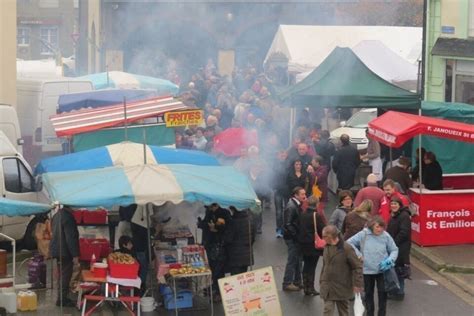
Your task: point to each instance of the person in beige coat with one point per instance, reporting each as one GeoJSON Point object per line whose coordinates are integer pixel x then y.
{"type": "Point", "coordinates": [341, 275]}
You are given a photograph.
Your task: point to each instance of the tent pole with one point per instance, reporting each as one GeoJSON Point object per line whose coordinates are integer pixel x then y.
{"type": "Point", "coordinates": [148, 234]}
{"type": "Point", "coordinates": [144, 145]}
{"type": "Point", "coordinates": [125, 117]}
{"type": "Point", "coordinates": [60, 263]}
{"type": "Point", "coordinates": [420, 159]}
{"type": "Point", "coordinates": [250, 239]}
{"type": "Point", "coordinates": [292, 123]}
{"type": "Point", "coordinates": [391, 159]}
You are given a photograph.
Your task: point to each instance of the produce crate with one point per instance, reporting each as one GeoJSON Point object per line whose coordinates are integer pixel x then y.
{"type": "Point", "coordinates": [100, 247]}
{"type": "Point", "coordinates": [78, 216]}
{"type": "Point", "coordinates": [184, 299]}
{"type": "Point", "coordinates": [123, 271]}
{"type": "Point", "coordinates": [94, 217]}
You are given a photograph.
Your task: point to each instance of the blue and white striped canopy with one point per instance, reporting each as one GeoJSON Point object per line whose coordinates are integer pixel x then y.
{"type": "Point", "coordinates": [124, 154]}
{"type": "Point", "coordinates": [21, 208]}
{"type": "Point", "coordinates": [157, 184]}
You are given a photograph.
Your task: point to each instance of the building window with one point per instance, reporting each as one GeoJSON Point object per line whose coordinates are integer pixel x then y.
{"type": "Point", "coordinates": [460, 81]}
{"type": "Point", "coordinates": [49, 40]}
{"type": "Point", "coordinates": [49, 4]}
{"type": "Point", "coordinates": [23, 36]}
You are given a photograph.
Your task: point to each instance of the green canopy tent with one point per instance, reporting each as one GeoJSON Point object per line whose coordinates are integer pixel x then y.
{"type": "Point", "coordinates": [343, 80]}
{"type": "Point", "coordinates": [458, 157]}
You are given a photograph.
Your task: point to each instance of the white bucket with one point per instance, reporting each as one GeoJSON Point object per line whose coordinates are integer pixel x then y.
{"type": "Point", "coordinates": [148, 304]}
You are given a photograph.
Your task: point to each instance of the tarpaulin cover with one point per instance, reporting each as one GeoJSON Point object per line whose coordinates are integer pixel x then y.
{"type": "Point", "coordinates": [123, 80]}
{"type": "Point", "coordinates": [124, 154]}
{"type": "Point", "coordinates": [394, 128]}
{"type": "Point", "coordinates": [155, 184]}
{"type": "Point", "coordinates": [151, 134]}
{"type": "Point", "coordinates": [343, 80]}
{"type": "Point", "coordinates": [21, 208]}
{"type": "Point", "coordinates": [458, 159]}
{"type": "Point", "coordinates": [100, 98]}
{"type": "Point", "coordinates": [232, 141]}
{"type": "Point", "coordinates": [87, 120]}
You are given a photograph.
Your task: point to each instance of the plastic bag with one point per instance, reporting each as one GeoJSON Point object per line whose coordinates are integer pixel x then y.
{"type": "Point", "coordinates": [390, 279]}
{"type": "Point", "coordinates": [75, 278]}
{"type": "Point", "coordinates": [358, 306]}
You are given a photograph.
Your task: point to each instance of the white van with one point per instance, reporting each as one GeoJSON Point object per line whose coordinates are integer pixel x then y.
{"type": "Point", "coordinates": [355, 127]}
{"type": "Point", "coordinates": [10, 126]}
{"type": "Point", "coordinates": [16, 183]}
{"type": "Point", "coordinates": [37, 101]}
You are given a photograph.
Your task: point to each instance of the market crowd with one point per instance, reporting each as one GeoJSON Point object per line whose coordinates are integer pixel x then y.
{"type": "Point", "coordinates": [365, 243]}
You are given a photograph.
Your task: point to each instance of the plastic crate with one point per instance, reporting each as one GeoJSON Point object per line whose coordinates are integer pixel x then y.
{"type": "Point", "coordinates": [77, 216]}
{"type": "Point", "coordinates": [100, 247]}
{"type": "Point", "coordinates": [184, 299]}
{"type": "Point", "coordinates": [94, 217]}
{"type": "Point", "coordinates": [123, 271]}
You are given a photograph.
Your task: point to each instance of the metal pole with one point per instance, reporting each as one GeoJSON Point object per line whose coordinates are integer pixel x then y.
{"type": "Point", "coordinates": [144, 145]}
{"type": "Point", "coordinates": [107, 72]}
{"type": "Point", "coordinates": [250, 239]}
{"type": "Point", "coordinates": [148, 234]}
{"type": "Point", "coordinates": [125, 117]}
{"type": "Point", "coordinates": [292, 123]}
{"type": "Point", "coordinates": [391, 159]}
{"type": "Point", "coordinates": [420, 159]}
{"type": "Point", "coordinates": [60, 263]}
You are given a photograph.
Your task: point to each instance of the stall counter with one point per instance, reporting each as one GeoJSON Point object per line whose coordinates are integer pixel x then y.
{"type": "Point", "coordinates": [445, 217]}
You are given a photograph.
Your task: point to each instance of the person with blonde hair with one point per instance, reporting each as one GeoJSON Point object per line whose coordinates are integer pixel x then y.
{"type": "Point", "coordinates": [356, 220]}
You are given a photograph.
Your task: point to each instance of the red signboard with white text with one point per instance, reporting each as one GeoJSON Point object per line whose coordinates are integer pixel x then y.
{"type": "Point", "coordinates": [444, 217]}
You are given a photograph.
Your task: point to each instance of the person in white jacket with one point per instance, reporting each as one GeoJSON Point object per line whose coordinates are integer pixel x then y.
{"type": "Point", "coordinates": [378, 251]}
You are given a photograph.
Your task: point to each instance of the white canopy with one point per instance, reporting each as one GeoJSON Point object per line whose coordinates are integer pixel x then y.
{"type": "Point", "coordinates": [306, 46]}
{"type": "Point", "coordinates": [385, 63]}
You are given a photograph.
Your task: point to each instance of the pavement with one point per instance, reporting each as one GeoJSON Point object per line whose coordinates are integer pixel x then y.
{"type": "Point", "coordinates": [434, 290]}
{"type": "Point", "coordinates": [456, 263]}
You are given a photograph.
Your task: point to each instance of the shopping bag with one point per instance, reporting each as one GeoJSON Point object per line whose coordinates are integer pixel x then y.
{"type": "Point", "coordinates": [358, 305]}
{"type": "Point", "coordinates": [43, 238]}
{"type": "Point", "coordinates": [390, 279]}
{"type": "Point", "coordinates": [76, 278]}
{"type": "Point", "coordinates": [316, 191]}
{"type": "Point", "coordinates": [319, 243]}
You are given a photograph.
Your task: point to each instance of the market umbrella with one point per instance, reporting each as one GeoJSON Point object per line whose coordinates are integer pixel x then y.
{"type": "Point", "coordinates": [11, 207]}
{"type": "Point", "coordinates": [100, 98]}
{"type": "Point", "coordinates": [124, 80]}
{"type": "Point", "coordinates": [232, 141]}
{"type": "Point", "coordinates": [124, 154]}
{"type": "Point", "coordinates": [149, 183]}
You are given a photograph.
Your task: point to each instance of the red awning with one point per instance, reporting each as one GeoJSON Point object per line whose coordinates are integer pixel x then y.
{"type": "Point", "coordinates": [394, 128]}
{"type": "Point", "coordinates": [88, 120]}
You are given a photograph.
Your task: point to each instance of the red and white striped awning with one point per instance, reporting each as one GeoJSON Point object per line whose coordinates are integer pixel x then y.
{"type": "Point", "coordinates": [87, 120]}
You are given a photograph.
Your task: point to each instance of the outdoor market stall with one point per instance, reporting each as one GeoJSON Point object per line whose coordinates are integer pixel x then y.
{"type": "Point", "coordinates": [157, 184]}
{"type": "Point", "coordinates": [445, 217]}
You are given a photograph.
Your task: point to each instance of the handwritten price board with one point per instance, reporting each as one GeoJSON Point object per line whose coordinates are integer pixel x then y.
{"type": "Point", "coordinates": [250, 293]}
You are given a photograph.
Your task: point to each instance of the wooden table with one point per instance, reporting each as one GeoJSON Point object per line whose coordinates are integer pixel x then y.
{"type": "Point", "coordinates": [112, 294]}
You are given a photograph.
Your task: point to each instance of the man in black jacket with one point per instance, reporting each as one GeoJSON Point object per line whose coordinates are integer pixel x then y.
{"type": "Point", "coordinates": [64, 247]}
{"type": "Point", "coordinates": [214, 229]}
{"type": "Point", "coordinates": [345, 163]}
{"type": "Point", "coordinates": [239, 240]}
{"type": "Point", "coordinates": [292, 276]}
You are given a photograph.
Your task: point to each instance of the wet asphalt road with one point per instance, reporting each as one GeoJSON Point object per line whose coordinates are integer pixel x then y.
{"type": "Point", "coordinates": [423, 295]}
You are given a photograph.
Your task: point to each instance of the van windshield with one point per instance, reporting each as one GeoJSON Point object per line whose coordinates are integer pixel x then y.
{"type": "Point", "coordinates": [361, 119]}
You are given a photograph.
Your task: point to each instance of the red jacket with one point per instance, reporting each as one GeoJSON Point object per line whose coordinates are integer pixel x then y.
{"type": "Point", "coordinates": [384, 210]}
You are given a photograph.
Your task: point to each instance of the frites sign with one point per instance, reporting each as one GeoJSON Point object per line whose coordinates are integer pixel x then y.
{"type": "Point", "coordinates": [183, 118]}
